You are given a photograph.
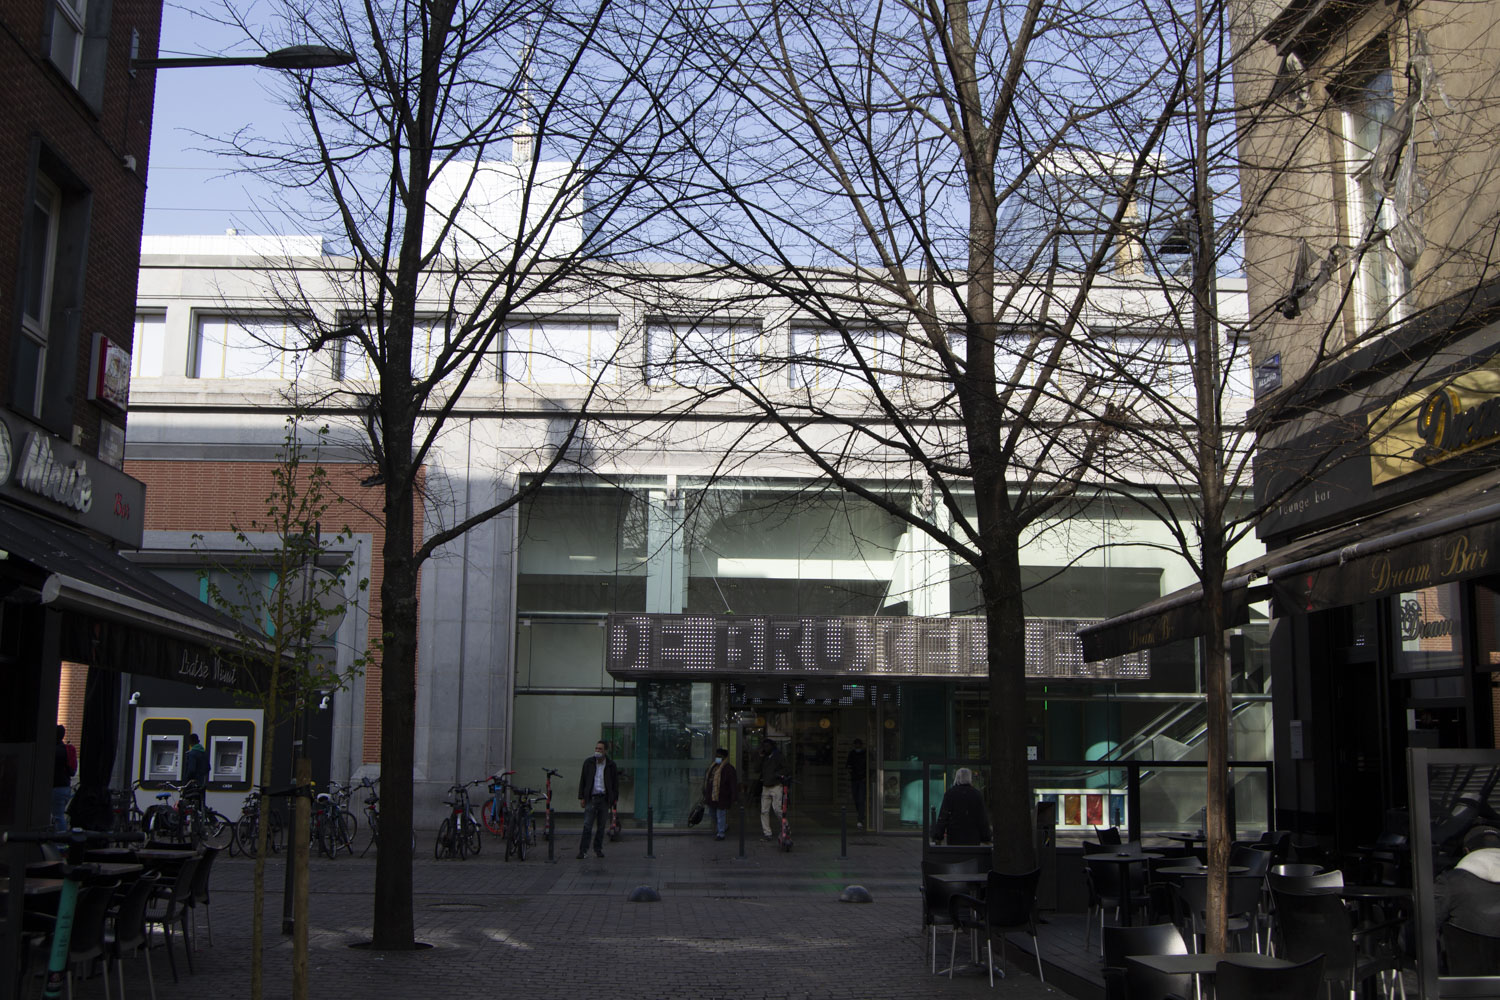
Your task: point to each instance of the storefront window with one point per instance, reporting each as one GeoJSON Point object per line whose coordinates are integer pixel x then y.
{"type": "Point", "coordinates": [1429, 629]}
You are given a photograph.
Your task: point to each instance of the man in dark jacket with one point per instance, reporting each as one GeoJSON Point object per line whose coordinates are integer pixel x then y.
{"type": "Point", "coordinates": [195, 766]}
{"type": "Point", "coordinates": [598, 791]}
{"type": "Point", "coordinates": [773, 777]}
{"type": "Point", "coordinates": [719, 787]}
{"type": "Point", "coordinates": [961, 818]}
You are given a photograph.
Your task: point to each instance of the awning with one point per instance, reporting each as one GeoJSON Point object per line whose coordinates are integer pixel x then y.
{"type": "Point", "coordinates": [1446, 536]}
{"type": "Point", "coordinates": [120, 616]}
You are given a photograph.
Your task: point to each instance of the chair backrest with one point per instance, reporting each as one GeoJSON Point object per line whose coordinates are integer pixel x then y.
{"type": "Point", "coordinates": [1243, 982]}
{"type": "Point", "coordinates": [1470, 953]}
{"type": "Point", "coordinates": [1279, 841]}
{"type": "Point", "coordinates": [1104, 878]}
{"type": "Point", "coordinates": [181, 893]}
{"type": "Point", "coordinates": [954, 867]}
{"type": "Point", "coordinates": [1143, 939]}
{"type": "Point", "coordinates": [1256, 859]}
{"type": "Point", "coordinates": [87, 940]}
{"type": "Point", "coordinates": [130, 917]}
{"type": "Point", "coordinates": [1243, 895]}
{"type": "Point", "coordinates": [937, 897]}
{"type": "Point", "coordinates": [1011, 899]}
{"type": "Point", "coordinates": [1142, 983]}
{"type": "Point", "coordinates": [201, 873]}
{"type": "Point", "coordinates": [1108, 835]}
{"type": "Point", "coordinates": [1297, 883]}
{"type": "Point", "coordinates": [1315, 923]}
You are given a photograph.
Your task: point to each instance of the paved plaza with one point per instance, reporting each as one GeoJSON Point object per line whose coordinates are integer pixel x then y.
{"type": "Point", "coordinates": [770, 925]}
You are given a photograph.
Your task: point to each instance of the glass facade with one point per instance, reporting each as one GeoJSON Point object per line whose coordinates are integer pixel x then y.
{"type": "Point", "coordinates": [763, 548]}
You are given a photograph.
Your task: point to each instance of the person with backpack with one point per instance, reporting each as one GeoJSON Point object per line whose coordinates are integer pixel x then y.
{"type": "Point", "coordinates": [64, 766]}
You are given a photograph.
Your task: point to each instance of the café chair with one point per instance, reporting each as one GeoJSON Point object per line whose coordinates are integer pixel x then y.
{"type": "Point", "coordinates": [1471, 953]}
{"type": "Point", "coordinates": [1312, 924]}
{"type": "Point", "coordinates": [1009, 904]}
{"type": "Point", "coordinates": [1104, 882]}
{"type": "Point", "coordinates": [1109, 836]}
{"type": "Point", "coordinates": [1296, 868]}
{"type": "Point", "coordinates": [86, 941]}
{"type": "Point", "coordinates": [1254, 858]}
{"type": "Point", "coordinates": [199, 895]}
{"type": "Point", "coordinates": [126, 934]}
{"type": "Point", "coordinates": [1243, 906]}
{"type": "Point", "coordinates": [936, 896]}
{"type": "Point", "coordinates": [1143, 939]}
{"type": "Point", "coordinates": [1233, 981]}
{"type": "Point", "coordinates": [174, 907]}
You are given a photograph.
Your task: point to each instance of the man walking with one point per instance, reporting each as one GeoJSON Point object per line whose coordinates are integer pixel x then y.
{"type": "Point", "coordinates": [773, 776]}
{"type": "Point", "coordinates": [598, 791]}
{"type": "Point", "coordinates": [64, 766]}
{"type": "Point", "coordinates": [859, 768]}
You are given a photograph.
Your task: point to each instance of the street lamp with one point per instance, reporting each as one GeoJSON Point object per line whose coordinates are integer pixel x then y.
{"type": "Point", "coordinates": [291, 57]}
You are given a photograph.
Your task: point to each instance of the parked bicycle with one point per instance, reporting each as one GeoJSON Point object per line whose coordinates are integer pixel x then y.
{"type": "Point", "coordinates": [458, 834]}
{"type": "Point", "coordinates": [520, 824]}
{"type": "Point", "coordinates": [247, 827]}
{"type": "Point", "coordinates": [189, 820]}
{"type": "Point", "coordinates": [328, 830]}
{"type": "Point", "coordinates": [372, 815]}
{"type": "Point", "coordinates": [128, 817]}
{"type": "Point", "coordinates": [497, 804]}
{"type": "Point", "coordinates": [343, 794]}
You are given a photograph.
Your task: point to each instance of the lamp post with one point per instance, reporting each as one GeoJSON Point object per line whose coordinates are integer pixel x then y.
{"type": "Point", "coordinates": [292, 57]}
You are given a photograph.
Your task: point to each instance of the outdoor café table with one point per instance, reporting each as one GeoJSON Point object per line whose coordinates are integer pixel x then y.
{"type": "Point", "coordinates": [1124, 860]}
{"type": "Point", "coordinates": [1198, 870]}
{"type": "Point", "coordinates": [34, 886]}
{"type": "Point", "coordinates": [1189, 840]}
{"type": "Point", "coordinates": [1204, 964]}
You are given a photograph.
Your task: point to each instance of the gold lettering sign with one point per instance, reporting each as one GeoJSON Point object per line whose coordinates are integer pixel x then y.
{"type": "Point", "coordinates": [1457, 557]}
{"type": "Point", "coordinates": [1430, 427]}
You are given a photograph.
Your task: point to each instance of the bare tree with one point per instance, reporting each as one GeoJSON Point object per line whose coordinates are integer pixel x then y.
{"type": "Point", "coordinates": [474, 163]}
{"type": "Point", "coordinates": [941, 199]}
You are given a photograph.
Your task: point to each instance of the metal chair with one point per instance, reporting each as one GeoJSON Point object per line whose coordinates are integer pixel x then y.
{"type": "Point", "coordinates": [1470, 953]}
{"type": "Point", "coordinates": [175, 907]}
{"type": "Point", "coordinates": [127, 935]}
{"type": "Point", "coordinates": [199, 895]}
{"type": "Point", "coordinates": [1317, 923]}
{"type": "Point", "coordinates": [1242, 906]}
{"type": "Point", "coordinates": [1233, 981]}
{"type": "Point", "coordinates": [1105, 884]}
{"type": "Point", "coordinates": [1254, 858]}
{"type": "Point", "coordinates": [936, 896]}
{"type": "Point", "coordinates": [1009, 904]}
{"type": "Point", "coordinates": [86, 941]}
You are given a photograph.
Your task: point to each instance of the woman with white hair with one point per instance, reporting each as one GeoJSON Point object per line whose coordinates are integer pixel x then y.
{"type": "Point", "coordinates": [961, 818]}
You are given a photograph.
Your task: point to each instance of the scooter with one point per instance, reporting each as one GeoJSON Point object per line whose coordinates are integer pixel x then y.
{"type": "Point", "coordinates": [784, 838]}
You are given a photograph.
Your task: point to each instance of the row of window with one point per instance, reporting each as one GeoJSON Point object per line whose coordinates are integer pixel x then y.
{"type": "Point", "coordinates": [580, 352]}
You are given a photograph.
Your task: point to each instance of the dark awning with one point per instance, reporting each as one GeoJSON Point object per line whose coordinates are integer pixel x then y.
{"type": "Point", "coordinates": [1450, 535]}
{"type": "Point", "coordinates": [120, 616]}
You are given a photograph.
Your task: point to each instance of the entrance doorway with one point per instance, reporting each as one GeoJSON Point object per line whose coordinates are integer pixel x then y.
{"type": "Point", "coordinates": [816, 741]}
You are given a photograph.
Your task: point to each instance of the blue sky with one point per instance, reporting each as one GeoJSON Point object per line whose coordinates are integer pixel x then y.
{"type": "Point", "coordinates": [190, 190]}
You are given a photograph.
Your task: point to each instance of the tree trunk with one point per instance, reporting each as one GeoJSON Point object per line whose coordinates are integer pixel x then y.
{"type": "Point", "coordinates": [1009, 798]}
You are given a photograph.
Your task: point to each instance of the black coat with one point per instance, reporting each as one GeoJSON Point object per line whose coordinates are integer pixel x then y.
{"type": "Point", "coordinates": [961, 818]}
{"type": "Point", "coordinates": [611, 781]}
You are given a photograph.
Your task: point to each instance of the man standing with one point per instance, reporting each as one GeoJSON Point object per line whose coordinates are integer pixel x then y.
{"type": "Point", "coordinates": [858, 767]}
{"type": "Point", "coordinates": [64, 766]}
{"type": "Point", "coordinates": [598, 791]}
{"type": "Point", "coordinates": [195, 766]}
{"type": "Point", "coordinates": [719, 789]}
{"type": "Point", "coordinates": [773, 776]}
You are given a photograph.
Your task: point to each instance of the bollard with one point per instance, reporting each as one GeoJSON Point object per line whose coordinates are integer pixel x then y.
{"type": "Point", "coordinates": [843, 833]}
{"type": "Point", "coordinates": [742, 829]}
{"type": "Point", "coordinates": [650, 830]}
{"type": "Point", "coordinates": [551, 836]}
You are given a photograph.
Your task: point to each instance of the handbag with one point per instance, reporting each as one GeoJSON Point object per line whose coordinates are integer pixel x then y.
{"type": "Point", "coordinates": [695, 815]}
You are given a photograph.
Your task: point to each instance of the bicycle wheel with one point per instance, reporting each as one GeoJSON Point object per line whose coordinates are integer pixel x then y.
{"type": "Point", "coordinates": [326, 842]}
{"type": "Point", "coordinates": [372, 823]}
{"type": "Point", "coordinates": [518, 833]}
{"type": "Point", "coordinates": [460, 841]}
{"type": "Point", "coordinates": [472, 832]}
{"type": "Point", "coordinates": [494, 817]}
{"type": "Point", "coordinates": [531, 829]}
{"type": "Point", "coordinates": [218, 832]}
{"type": "Point", "coordinates": [444, 846]}
{"type": "Point", "coordinates": [246, 834]}
{"type": "Point", "coordinates": [275, 832]}
{"type": "Point", "coordinates": [351, 826]}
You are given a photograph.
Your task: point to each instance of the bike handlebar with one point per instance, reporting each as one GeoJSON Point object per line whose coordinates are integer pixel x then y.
{"type": "Point", "coordinates": [551, 773]}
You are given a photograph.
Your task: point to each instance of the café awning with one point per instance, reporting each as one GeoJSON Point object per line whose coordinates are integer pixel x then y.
{"type": "Point", "coordinates": [1447, 536]}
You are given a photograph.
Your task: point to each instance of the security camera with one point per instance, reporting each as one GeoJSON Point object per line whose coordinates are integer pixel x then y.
{"type": "Point", "coordinates": [135, 697]}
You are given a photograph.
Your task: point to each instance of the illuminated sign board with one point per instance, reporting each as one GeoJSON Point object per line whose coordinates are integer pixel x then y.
{"type": "Point", "coordinates": [710, 647]}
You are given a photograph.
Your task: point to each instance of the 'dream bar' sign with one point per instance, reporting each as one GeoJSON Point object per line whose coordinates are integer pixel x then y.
{"type": "Point", "coordinates": [710, 647]}
{"type": "Point", "coordinates": [1435, 425]}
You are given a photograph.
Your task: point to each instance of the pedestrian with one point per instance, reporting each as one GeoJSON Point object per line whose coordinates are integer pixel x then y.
{"type": "Point", "coordinates": [858, 765]}
{"type": "Point", "coordinates": [773, 779]}
{"type": "Point", "coordinates": [719, 788]}
{"type": "Point", "coordinates": [598, 791]}
{"type": "Point", "coordinates": [195, 767]}
{"type": "Point", "coordinates": [64, 766]}
{"type": "Point", "coordinates": [961, 818]}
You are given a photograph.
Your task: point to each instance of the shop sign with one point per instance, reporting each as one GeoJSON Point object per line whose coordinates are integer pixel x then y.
{"type": "Point", "coordinates": [44, 472]}
{"type": "Point", "coordinates": [1431, 427]}
{"type": "Point", "coordinates": [1447, 558]}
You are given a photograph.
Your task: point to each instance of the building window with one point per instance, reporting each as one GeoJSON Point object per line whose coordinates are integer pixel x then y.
{"type": "Point", "coordinates": [37, 304]}
{"type": "Point", "coordinates": [66, 48]}
{"type": "Point", "coordinates": [1368, 101]}
{"type": "Point", "coordinates": [700, 353]}
{"type": "Point", "coordinates": [245, 347]}
{"type": "Point", "coordinates": [822, 359]}
{"type": "Point", "coordinates": [559, 351]}
{"type": "Point", "coordinates": [148, 347]}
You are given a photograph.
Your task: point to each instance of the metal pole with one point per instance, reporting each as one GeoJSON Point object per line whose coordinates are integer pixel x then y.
{"type": "Point", "coordinates": [551, 835]}
{"type": "Point", "coordinates": [843, 833]}
{"type": "Point", "coordinates": [742, 828]}
{"type": "Point", "coordinates": [650, 832]}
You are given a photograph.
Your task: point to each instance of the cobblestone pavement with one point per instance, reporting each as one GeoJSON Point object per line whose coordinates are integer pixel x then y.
{"type": "Point", "coordinates": [769, 925]}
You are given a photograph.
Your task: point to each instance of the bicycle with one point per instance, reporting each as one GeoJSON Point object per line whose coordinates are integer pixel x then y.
{"type": "Point", "coordinates": [372, 815]}
{"type": "Point", "coordinates": [190, 820]}
{"type": "Point", "coordinates": [497, 804]}
{"type": "Point", "coordinates": [128, 817]}
{"type": "Point", "coordinates": [342, 793]}
{"type": "Point", "coordinates": [328, 830]}
{"type": "Point", "coordinates": [247, 827]}
{"type": "Point", "coordinates": [458, 834]}
{"type": "Point", "coordinates": [550, 824]}
{"type": "Point", "coordinates": [518, 822]}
